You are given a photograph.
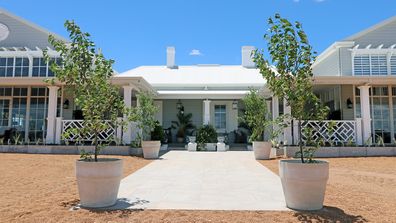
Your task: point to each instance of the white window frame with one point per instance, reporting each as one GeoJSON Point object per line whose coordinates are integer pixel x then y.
{"type": "Point", "coordinates": [221, 130]}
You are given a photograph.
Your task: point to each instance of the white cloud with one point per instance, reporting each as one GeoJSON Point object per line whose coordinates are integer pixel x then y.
{"type": "Point", "coordinates": [195, 52]}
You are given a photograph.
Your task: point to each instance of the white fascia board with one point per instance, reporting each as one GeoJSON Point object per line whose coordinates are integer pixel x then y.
{"type": "Point", "coordinates": [331, 49]}
{"type": "Point", "coordinates": [25, 81]}
{"type": "Point", "coordinates": [28, 53]}
{"type": "Point", "coordinates": [140, 82]}
{"type": "Point", "coordinates": [355, 80]}
{"type": "Point", "coordinates": [201, 94]}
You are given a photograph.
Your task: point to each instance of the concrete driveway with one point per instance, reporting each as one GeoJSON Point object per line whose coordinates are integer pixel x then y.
{"type": "Point", "coordinates": [231, 180]}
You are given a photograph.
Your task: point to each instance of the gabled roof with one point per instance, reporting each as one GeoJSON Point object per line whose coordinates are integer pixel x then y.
{"type": "Point", "coordinates": [349, 41]}
{"type": "Point", "coordinates": [198, 76]}
{"type": "Point", "coordinates": [34, 26]}
{"type": "Point", "coordinates": [370, 29]}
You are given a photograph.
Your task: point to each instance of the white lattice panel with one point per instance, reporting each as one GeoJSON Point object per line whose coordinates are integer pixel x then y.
{"type": "Point", "coordinates": [342, 131]}
{"type": "Point", "coordinates": [106, 135]}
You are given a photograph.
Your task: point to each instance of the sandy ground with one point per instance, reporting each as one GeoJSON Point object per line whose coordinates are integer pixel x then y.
{"type": "Point", "coordinates": [42, 188]}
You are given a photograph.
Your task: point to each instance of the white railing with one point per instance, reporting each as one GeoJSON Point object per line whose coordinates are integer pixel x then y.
{"type": "Point", "coordinates": [329, 131]}
{"type": "Point", "coordinates": [72, 136]}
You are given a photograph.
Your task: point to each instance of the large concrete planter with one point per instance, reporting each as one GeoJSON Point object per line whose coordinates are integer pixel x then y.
{"type": "Point", "coordinates": [151, 149]}
{"type": "Point", "coordinates": [304, 184]}
{"type": "Point", "coordinates": [98, 182]}
{"type": "Point", "coordinates": [262, 150]}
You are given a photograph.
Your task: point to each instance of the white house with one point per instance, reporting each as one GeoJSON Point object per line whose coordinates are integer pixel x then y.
{"type": "Point", "coordinates": [354, 77]}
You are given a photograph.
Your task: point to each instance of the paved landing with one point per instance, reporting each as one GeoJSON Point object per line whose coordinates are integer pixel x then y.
{"type": "Point", "coordinates": [231, 180]}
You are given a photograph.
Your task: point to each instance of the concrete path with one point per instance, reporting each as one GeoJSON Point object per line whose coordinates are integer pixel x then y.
{"type": "Point", "coordinates": [231, 180]}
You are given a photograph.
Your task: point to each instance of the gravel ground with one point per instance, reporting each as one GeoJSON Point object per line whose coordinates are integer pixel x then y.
{"type": "Point", "coordinates": [42, 188]}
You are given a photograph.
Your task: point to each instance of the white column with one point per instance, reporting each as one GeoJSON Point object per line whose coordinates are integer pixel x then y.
{"type": "Point", "coordinates": [206, 116]}
{"type": "Point", "coordinates": [52, 101]}
{"type": "Point", "coordinates": [58, 131]}
{"type": "Point", "coordinates": [358, 131]}
{"type": "Point", "coordinates": [365, 112]}
{"type": "Point", "coordinates": [287, 132]}
{"type": "Point", "coordinates": [275, 113]}
{"type": "Point", "coordinates": [127, 134]}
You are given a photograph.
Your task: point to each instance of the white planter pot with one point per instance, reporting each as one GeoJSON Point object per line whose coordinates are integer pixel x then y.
{"type": "Point", "coordinates": [98, 182]}
{"type": "Point", "coordinates": [192, 146]}
{"type": "Point", "coordinates": [151, 149]}
{"type": "Point", "coordinates": [262, 150]}
{"type": "Point", "coordinates": [304, 184]}
{"type": "Point", "coordinates": [210, 146]}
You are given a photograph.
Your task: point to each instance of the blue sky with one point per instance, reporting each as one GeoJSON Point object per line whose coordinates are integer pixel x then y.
{"type": "Point", "coordinates": [135, 33]}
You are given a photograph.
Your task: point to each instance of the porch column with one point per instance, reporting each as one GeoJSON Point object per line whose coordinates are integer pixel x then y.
{"type": "Point", "coordinates": [127, 133]}
{"type": "Point", "coordinates": [365, 112]}
{"type": "Point", "coordinates": [287, 132]}
{"type": "Point", "coordinates": [275, 113]}
{"type": "Point", "coordinates": [206, 116]}
{"type": "Point", "coordinates": [51, 114]}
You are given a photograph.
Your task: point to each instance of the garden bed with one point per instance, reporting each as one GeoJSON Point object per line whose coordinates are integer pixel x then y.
{"type": "Point", "coordinates": [359, 189]}
{"type": "Point", "coordinates": [357, 151]}
{"type": "Point", "coordinates": [62, 149]}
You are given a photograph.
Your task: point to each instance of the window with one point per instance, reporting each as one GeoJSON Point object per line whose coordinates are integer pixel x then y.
{"type": "Point", "coordinates": [393, 65]}
{"type": "Point", "coordinates": [220, 116]}
{"type": "Point", "coordinates": [39, 67]}
{"type": "Point", "coordinates": [374, 64]}
{"type": "Point", "coordinates": [21, 67]}
{"type": "Point", "coordinates": [42, 69]}
{"type": "Point", "coordinates": [6, 67]}
{"type": "Point", "coordinates": [378, 65]}
{"type": "Point", "coordinates": [38, 113]}
{"type": "Point", "coordinates": [361, 64]}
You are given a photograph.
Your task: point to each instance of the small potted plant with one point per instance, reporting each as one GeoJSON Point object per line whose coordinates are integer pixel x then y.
{"type": "Point", "coordinates": [84, 69]}
{"type": "Point", "coordinates": [290, 77]}
{"type": "Point", "coordinates": [158, 134]}
{"type": "Point", "coordinates": [183, 124]}
{"type": "Point", "coordinates": [256, 117]}
{"type": "Point", "coordinates": [207, 138]}
{"type": "Point", "coordinates": [144, 116]}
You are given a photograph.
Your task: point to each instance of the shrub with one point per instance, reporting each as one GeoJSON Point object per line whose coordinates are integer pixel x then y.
{"type": "Point", "coordinates": [206, 134]}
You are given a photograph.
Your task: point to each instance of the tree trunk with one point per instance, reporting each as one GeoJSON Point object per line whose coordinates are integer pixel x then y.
{"type": "Point", "coordinates": [96, 146]}
{"type": "Point", "coordinates": [300, 144]}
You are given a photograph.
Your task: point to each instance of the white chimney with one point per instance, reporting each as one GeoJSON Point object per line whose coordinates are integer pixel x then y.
{"type": "Point", "coordinates": [247, 59]}
{"type": "Point", "coordinates": [170, 57]}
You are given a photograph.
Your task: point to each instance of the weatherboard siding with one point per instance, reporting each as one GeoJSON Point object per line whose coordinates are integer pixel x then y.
{"type": "Point", "coordinates": [18, 33]}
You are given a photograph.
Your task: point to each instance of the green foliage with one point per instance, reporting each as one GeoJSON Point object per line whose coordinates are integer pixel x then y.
{"type": "Point", "coordinates": [158, 132]}
{"type": "Point", "coordinates": [144, 115]}
{"type": "Point", "coordinates": [87, 72]}
{"type": "Point", "coordinates": [288, 72]}
{"type": "Point", "coordinates": [183, 124]}
{"type": "Point", "coordinates": [206, 134]}
{"type": "Point", "coordinates": [255, 115]}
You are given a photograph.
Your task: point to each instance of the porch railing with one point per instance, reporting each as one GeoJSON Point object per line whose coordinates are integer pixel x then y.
{"type": "Point", "coordinates": [106, 135]}
{"type": "Point", "coordinates": [329, 131]}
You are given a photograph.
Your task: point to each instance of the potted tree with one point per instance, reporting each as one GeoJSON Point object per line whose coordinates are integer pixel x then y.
{"type": "Point", "coordinates": [84, 69]}
{"type": "Point", "coordinates": [256, 117]}
{"type": "Point", "coordinates": [182, 124]}
{"type": "Point", "coordinates": [158, 134]}
{"type": "Point", "coordinates": [207, 138]}
{"type": "Point", "coordinates": [144, 116]}
{"type": "Point", "coordinates": [304, 179]}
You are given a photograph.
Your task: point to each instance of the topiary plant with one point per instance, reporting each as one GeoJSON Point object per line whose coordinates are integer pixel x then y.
{"type": "Point", "coordinates": [206, 134]}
